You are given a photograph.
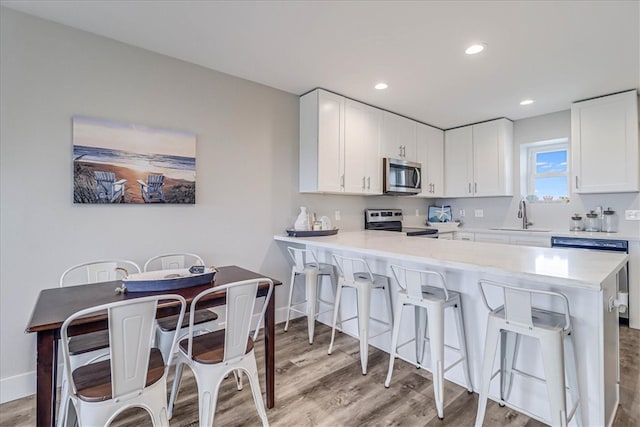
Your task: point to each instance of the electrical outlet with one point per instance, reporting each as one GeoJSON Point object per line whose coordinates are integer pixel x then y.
{"type": "Point", "coordinates": [461, 213]}
{"type": "Point", "coordinates": [479, 213]}
{"type": "Point", "coordinates": [632, 215]}
{"type": "Point", "coordinates": [336, 215]}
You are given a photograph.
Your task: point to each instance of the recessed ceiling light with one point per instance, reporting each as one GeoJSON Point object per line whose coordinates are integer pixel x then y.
{"type": "Point", "coordinates": [527, 102]}
{"type": "Point", "coordinates": [381, 86]}
{"type": "Point", "coordinates": [475, 48]}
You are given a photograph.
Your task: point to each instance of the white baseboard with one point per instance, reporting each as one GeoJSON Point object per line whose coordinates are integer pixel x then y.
{"type": "Point", "coordinates": [22, 385]}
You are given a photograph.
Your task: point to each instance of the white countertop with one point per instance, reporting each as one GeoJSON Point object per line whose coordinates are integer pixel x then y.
{"type": "Point", "coordinates": [581, 269]}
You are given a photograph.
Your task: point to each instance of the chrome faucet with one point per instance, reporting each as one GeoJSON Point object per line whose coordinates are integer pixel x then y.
{"type": "Point", "coordinates": [522, 213]}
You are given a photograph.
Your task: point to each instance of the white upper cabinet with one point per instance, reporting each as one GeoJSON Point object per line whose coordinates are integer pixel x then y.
{"type": "Point", "coordinates": [604, 144]}
{"type": "Point", "coordinates": [398, 137]}
{"type": "Point", "coordinates": [362, 147]}
{"type": "Point", "coordinates": [322, 142]}
{"type": "Point", "coordinates": [430, 154]}
{"type": "Point", "coordinates": [478, 160]}
{"type": "Point", "coordinates": [339, 145]}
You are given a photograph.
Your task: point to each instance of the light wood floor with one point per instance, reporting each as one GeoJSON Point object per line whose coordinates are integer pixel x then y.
{"type": "Point", "coordinates": [315, 389]}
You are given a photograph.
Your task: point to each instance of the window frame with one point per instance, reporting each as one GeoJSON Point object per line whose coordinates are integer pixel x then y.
{"type": "Point", "coordinates": [528, 168]}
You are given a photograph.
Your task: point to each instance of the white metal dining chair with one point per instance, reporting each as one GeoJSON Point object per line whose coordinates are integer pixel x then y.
{"type": "Point", "coordinates": [214, 355]}
{"type": "Point", "coordinates": [305, 263]}
{"type": "Point", "coordinates": [93, 346]}
{"type": "Point", "coordinates": [427, 292]}
{"type": "Point", "coordinates": [134, 375]}
{"type": "Point", "coordinates": [355, 273]}
{"type": "Point", "coordinates": [205, 319]}
{"type": "Point", "coordinates": [516, 317]}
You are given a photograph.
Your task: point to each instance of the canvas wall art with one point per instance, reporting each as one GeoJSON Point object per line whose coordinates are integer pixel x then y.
{"type": "Point", "coordinates": [116, 162]}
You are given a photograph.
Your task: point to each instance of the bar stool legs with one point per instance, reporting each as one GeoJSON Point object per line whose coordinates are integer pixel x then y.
{"type": "Point", "coordinates": [363, 282]}
{"type": "Point", "coordinates": [429, 304]}
{"type": "Point", "coordinates": [306, 263]}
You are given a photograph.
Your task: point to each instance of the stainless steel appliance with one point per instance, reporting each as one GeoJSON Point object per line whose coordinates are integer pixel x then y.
{"type": "Point", "coordinates": [391, 220]}
{"type": "Point", "coordinates": [600, 245]}
{"type": "Point", "coordinates": [401, 177]}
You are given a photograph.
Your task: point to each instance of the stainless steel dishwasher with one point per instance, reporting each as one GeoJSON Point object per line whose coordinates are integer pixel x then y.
{"type": "Point", "coordinates": [600, 245]}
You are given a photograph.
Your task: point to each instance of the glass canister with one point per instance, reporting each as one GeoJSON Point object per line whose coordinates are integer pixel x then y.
{"type": "Point", "coordinates": [576, 223]}
{"type": "Point", "coordinates": [609, 221]}
{"type": "Point", "coordinates": [592, 222]}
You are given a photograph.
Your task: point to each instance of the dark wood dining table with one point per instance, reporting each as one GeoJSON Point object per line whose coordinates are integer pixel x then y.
{"type": "Point", "coordinates": [54, 305]}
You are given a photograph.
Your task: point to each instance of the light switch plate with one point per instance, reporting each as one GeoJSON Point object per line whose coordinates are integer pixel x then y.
{"type": "Point", "coordinates": [336, 215]}
{"type": "Point", "coordinates": [479, 213]}
{"type": "Point", "coordinates": [632, 215]}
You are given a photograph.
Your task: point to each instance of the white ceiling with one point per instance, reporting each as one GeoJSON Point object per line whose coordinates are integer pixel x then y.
{"type": "Point", "coordinates": [554, 52]}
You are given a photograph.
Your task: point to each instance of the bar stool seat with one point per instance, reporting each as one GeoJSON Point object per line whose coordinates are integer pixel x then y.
{"type": "Point", "coordinates": [306, 263]}
{"type": "Point", "coordinates": [355, 273]}
{"type": "Point", "coordinates": [515, 318]}
{"type": "Point", "coordinates": [429, 303]}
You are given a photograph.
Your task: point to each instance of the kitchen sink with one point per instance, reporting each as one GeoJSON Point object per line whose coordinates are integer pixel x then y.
{"type": "Point", "coordinates": [539, 230]}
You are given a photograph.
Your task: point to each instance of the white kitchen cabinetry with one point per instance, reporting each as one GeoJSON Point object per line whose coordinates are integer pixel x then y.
{"type": "Point", "coordinates": [463, 235]}
{"type": "Point", "coordinates": [430, 154]}
{"type": "Point", "coordinates": [542, 242]}
{"type": "Point", "coordinates": [447, 235]}
{"type": "Point", "coordinates": [491, 238]}
{"type": "Point", "coordinates": [339, 145]}
{"type": "Point", "coordinates": [362, 168]}
{"type": "Point", "coordinates": [398, 137]}
{"type": "Point", "coordinates": [478, 160]}
{"type": "Point", "coordinates": [604, 144]}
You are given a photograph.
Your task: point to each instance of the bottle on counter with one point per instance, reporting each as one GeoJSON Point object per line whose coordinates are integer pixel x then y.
{"type": "Point", "coordinates": [609, 221]}
{"type": "Point", "coordinates": [576, 223]}
{"type": "Point", "coordinates": [593, 222]}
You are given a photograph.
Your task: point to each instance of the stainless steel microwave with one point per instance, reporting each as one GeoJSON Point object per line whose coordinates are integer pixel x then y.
{"type": "Point", "coordinates": [401, 177]}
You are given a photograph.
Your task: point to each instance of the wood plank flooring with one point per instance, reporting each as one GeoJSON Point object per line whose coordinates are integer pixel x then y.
{"type": "Point", "coordinates": [315, 389]}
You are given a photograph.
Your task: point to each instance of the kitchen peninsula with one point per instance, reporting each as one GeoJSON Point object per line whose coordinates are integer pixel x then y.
{"type": "Point", "coordinates": [588, 279]}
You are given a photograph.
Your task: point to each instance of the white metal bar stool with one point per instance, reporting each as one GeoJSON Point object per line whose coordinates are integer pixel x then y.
{"type": "Point", "coordinates": [517, 317]}
{"type": "Point", "coordinates": [306, 263]}
{"type": "Point", "coordinates": [355, 273]}
{"type": "Point", "coordinates": [429, 303]}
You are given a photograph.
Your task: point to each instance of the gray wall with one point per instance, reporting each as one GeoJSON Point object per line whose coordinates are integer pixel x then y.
{"type": "Point", "coordinates": [502, 211]}
{"type": "Point", "coordinates": [247, 169]}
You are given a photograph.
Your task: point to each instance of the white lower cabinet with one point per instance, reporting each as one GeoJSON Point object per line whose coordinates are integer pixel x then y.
{"type": "Point", "coordinates": [446, 236]}
{"type": "Point", "coordinates": [463, 235]}
{"type": "Point", "coordinates": [491, 238]}
{"type": "Point", "coordinates": [542, 242]}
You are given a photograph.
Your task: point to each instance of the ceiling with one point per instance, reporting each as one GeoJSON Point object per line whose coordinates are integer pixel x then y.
{"type": "Point", "coordinates": [554, 52]}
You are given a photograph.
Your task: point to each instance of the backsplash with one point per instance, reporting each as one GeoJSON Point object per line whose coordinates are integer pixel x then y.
{"type": "Point", "coordinates": [502, 211]}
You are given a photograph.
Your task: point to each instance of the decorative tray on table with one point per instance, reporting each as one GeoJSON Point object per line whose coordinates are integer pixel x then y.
{"type": "Point", "coordinates": [167, 280]}
{"type": "Point", "coordinates": [311, 233]}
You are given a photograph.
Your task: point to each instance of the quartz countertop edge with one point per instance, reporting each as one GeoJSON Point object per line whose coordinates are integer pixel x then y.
{"type": "Point", "coordinates": [561, 267]}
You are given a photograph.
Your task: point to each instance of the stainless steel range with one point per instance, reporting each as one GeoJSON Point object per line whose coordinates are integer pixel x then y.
{"type": "Point", "coordinates": [391, 220]}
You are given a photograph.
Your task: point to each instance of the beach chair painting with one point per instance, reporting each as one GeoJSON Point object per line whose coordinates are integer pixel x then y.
{"type": "Point", "coordinates": [152, 189]}
{"type": "Point", "coordinates": [109, 190]}
{"type": "Point", "coordinates": [111, 158]}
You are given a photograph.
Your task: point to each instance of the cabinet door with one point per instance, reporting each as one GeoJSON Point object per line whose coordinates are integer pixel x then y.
{"type": "Point", "coordinates": [398, 137]}
{"type": "Point", "coordinates": [487, 159]}
{"type": "Point", "coordinates": [430, 154]}
{"type": "Point", "coordinates": [543, 242]}
{"type": "Point", "coordinates": [321, 142]}
{"type": "Point", "coordinates": [458, 162]}
{"type": "Point", "coordinates": [491, 238]}
{"type": "Point", "coordinates": [463, 235]}
{"type": "Point", "coordinates": [604, 144]}
{"type": "Point", "coordinates": [361, 142]}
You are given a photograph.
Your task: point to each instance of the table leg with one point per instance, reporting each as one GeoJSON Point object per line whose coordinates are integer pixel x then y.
{"type": "Point", "coordinates": [270, 348]}
{"type": "Point", "coordinates": [45, 379]}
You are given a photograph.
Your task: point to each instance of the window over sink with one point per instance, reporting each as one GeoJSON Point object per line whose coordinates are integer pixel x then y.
{"type": "Point", "coordinates": [544, 171]}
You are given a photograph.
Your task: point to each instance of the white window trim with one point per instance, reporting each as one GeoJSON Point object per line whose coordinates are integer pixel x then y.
{"type": "Point", "coordinates": [527, 165]}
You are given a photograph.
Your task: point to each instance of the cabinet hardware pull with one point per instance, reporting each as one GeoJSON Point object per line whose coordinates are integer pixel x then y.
{"type": "Point", "coordinates": [577, 182]}
{"type": "Point", "coordinates": [342, 180]}
{"type": "Point", "coordinates": [400, 150]}
{"type": "Point", "coordinates": [475, 187]}
{"type": "Point", "coordinates": [469, 188]}
{"type": "Point", "coordinates": [369, 183]}
{"type": "Point", "coordinates": [363, 183]}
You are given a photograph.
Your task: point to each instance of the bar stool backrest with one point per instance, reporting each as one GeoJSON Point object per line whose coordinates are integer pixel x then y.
{"type": "Point", "coordinates": [412, 280]}
{"type": "Point", "coordinates": [349, 266]}
{"type": "Point", "coordinates": [517, 302]}
{"type": "Point", "coordinates": [303, 258]}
